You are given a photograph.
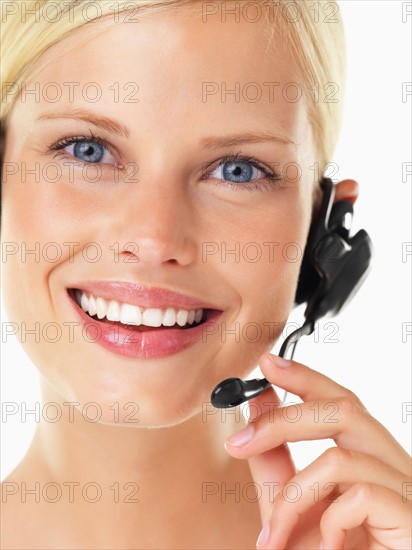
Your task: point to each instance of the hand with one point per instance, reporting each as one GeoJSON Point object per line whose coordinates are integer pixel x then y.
{"type": "Point", "coordinates": [357, 495]}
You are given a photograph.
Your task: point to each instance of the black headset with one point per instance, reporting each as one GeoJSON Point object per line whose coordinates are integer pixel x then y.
{"type": "Point", "coordinates": [334, 266]}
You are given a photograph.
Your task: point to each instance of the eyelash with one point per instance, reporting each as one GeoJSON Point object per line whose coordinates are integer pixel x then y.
{"type": "Point", "coordinates": [271, 177]}
{"type": "Point", "coordinates": [77, 139]}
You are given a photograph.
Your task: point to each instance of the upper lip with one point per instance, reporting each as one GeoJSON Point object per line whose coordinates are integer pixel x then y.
{"type": "Point", "coordinates": [137, 294]}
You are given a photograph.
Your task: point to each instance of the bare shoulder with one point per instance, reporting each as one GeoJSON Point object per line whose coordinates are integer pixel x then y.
{"type": "Point", "coordinates": [23, 523]}
{"type": "Point", "coordinates": [11, 520]}
{"type": "Point", "coordinates": [230, 506]}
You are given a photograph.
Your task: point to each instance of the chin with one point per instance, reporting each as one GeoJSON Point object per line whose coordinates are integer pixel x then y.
{"type": "Point", "coordinates": [96, 403]}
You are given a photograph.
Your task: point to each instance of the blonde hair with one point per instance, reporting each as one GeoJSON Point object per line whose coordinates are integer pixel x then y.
{"type": "Point", "coordinates": [313, 31]}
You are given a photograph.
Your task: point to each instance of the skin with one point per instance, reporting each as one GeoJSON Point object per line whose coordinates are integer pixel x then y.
{"type": "Point", "coordinates": [171, 463]}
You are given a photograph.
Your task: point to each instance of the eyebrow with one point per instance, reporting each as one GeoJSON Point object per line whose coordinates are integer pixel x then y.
{"type": "Point", "coordinates": [210, 143]}
{"type": "Point", "coordinates": [97, 120]}
{"type": "Point", "coordinates": [239, 139]}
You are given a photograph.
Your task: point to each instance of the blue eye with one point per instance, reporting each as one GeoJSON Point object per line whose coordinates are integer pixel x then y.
{"type": "Point", "coordinates": [242, 172]}
{"type": "Point", "coordinates": [238, 171]}
{"type": "Point", "coordinates": [88, 150]}
{"type": "Point", "coordinates": [93, 152]}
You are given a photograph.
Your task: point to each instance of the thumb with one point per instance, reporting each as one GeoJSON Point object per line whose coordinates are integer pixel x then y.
{"type": "Point", "coordinates": [272, 469]}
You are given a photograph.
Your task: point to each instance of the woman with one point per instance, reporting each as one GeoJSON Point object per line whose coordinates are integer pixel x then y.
{"type": "Point", "coordinates": [168, 136]}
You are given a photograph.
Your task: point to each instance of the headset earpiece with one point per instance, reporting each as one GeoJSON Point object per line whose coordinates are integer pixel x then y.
{"type": "Point", "coordinates": [334, 265]}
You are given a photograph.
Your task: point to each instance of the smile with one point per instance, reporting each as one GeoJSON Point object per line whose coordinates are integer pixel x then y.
{"type": "Point", "coordinates": [158, 322]}
{"type": "Point", "coordinates": [127, 314]}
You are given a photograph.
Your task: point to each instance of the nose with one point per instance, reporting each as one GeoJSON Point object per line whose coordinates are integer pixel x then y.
{"type": "Point", "coordinates": [158, 225]}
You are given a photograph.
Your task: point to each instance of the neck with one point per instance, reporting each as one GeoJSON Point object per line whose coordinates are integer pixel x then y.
{"type": "Point", "coordinates": [137, 474]}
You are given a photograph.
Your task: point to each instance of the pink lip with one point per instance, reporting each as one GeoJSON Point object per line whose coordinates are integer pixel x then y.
{"type": "Point", "coordinates": [143, 296]}
{"type": "Point", "coordinates": [150, 344]}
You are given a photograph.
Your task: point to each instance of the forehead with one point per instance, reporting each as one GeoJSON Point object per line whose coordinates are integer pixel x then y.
{"type": "Point", "coordinates": [174, 65]}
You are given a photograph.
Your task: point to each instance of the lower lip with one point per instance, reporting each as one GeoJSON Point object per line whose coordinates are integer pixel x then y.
{"type": "Point", "coordinates": [148, 344]}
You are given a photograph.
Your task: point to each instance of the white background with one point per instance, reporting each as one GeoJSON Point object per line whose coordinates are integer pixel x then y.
{"type": "Point", "coordinates": [370, 356]}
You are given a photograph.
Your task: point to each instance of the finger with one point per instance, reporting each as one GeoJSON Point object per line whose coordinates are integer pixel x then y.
{"type": "Point", "coordinates": [311, 385]}
{"type": "Point", "coordinates": [385, 515]}
{"type": "Point", "coordinates": [273, 468]}
{"type": "Point", "coordinates": [341, 420]}
{"type": "Point", "coordinates": [335, 471]}
{"type": "Point", "coordinates": [263, 403]}
{"type": "Point", "coordinates": [277, 460]}
{"type": "Point", "coordinates": [303, 381]}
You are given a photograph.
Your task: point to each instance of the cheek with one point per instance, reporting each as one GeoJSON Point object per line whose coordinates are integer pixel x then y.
{"type": "Point", "coordinates": [260, 260]}
{"type": "Point", "coordinates": [267, 285]}
{"type": "Point", "coordinates": [43, 222]}
{"type": "Point", "coordinates": [35, 207]}
{"type": "Point", "coordinates": [39, 221]}
{"type": "Point", "coordinates": [267, 249]}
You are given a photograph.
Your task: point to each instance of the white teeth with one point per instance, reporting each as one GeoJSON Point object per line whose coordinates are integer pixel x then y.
{"type": "Point", "coordinates": [92, 310]}
{"type": "Point", "coordinates": [84, 303]}
{"type": "Point", "coordinates": [101, 308]}
{"type": "Point", "coordinates": [169, 317]}
{"type": "Point", "coordinates": [152, 317]}
{"type": "Point", "coordinates": [133, 315]}
{"type": "Point", "coordinates": [130, 315]}
{"type": "Point", "coordinates": [181, 317]}
{"type": "Point", "coordinates": [113, 311]}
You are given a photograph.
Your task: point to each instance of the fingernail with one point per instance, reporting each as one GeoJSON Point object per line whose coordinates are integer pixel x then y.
{"type": "Point", "coordinates": [242, 437]}
{"type": "Point", "coordinates": [264, 535]}
{"type": "Point", "coordinates": [279, 361]}
{"type": "Point", "coordinates": [321, 545]}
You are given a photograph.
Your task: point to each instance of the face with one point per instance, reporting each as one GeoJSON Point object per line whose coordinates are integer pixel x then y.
{"type": "Point", "coordinates": [156, 204]}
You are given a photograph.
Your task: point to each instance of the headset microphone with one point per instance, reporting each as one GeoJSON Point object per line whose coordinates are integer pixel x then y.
{"type": "Point", "coordinates": [333, 268]}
